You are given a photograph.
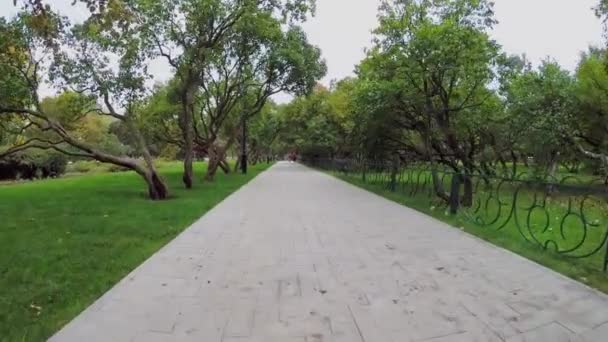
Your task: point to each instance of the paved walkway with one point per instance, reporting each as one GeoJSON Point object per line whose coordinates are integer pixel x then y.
{"type": "Point", "coordinates": [297, 256]}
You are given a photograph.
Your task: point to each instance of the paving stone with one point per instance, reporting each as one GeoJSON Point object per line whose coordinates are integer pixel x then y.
{"type": "Point", "coordinates": [553, 332]}
{"type": "Point", "coordinates": [299, 256]}
{"type": "Point", "coordinates": [599, 333]}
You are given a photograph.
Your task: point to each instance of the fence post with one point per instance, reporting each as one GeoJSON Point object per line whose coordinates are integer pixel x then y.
{"type": "Point", "coordinates": [455, 193]}
{"type": "Point", "coordinates": [364, 170]}
{"type": "Point", "coordinates": [394, 170]}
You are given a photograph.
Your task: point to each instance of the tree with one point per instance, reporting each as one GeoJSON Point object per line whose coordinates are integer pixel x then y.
{"type": "Point", "coordinates": [590, 125]}
{"type": "Point", "coordinates": [191, 34]}
{"type": "Point", "coordinates": [259, 60]}
{"type": "Point", "coordinates": [320, 124]}
{"type": "Point", "coordinates": [434, 61]}
{"type": "Point", "coordinates": [264, 130]}
{"type": "Point", "coordinates": [541, 104]}
{"type": "Point", "coordinates": [83, 65]}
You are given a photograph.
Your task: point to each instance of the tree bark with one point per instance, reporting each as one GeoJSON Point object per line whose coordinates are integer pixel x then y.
{"type": "Point", "coordinates": [188, 133]}
{"type": "Point", "coordinates": [237, 165]}
{"type": "Point", "coordinates": [467, 198]}
{"type": "Point", "coordinates": [225, 166]}
{"type": "Point", "coordinates": [219, 157]}
{"type": "Point", "coordinates": [438, 185]}
{"type": "Point", "coordinates": [157, 189]}
{"type": "Point", "coordinates": [515, 160]}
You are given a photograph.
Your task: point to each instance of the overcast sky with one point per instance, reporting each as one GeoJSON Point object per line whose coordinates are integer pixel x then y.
{"type": "Point", "coordinates": [561, 29]}
{"type": "Point", "coordinates": [540, 28]}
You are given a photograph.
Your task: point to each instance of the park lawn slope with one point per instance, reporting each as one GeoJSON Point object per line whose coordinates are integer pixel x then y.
{"type": "Point", "coordinates": [583, 270]}
{"type": "Point", "coordinates": [64, 242]}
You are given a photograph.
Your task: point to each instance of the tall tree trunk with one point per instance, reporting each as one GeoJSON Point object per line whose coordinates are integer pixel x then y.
{"type": "Point", "coordinates": [237, 165]}
{"type": "Point", "coordinates": [467, 198]}
{"type": "Point", "coordinates": [188, 133]}
{"type": "Point", "coordinates": [437, 183]}
{"type": "Point", "coordinates": [552, 172]}
{"type": "Point", "coordinates": [553, 166]}
{"type": "Point", "coordinates": [515, 161]}
{"type": "Point", "coordinates": [394, 171]}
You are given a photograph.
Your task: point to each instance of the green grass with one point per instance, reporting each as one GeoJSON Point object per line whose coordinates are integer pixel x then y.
{"type": "Point", "coordinates": [64, 242]}
{"type": "Point", "coordinates": [511, 232]}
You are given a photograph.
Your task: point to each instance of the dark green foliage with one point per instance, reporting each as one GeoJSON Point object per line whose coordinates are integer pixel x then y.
{"type": "Point", "coordinates": [32, 164]}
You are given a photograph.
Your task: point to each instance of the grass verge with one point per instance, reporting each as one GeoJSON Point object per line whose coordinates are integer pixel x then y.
{"type": "Point", "coordinates": [64, 242]}
{"type": "Point", "coordinates": [586, 270]}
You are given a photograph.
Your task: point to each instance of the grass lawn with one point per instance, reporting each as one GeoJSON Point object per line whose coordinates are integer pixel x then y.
{"type": "Point", "coordinates": [545, 225]}
{"type": "Point", "coordinates": [64, 242]}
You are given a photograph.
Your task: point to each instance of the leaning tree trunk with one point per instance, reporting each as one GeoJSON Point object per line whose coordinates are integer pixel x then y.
{"type": "Point", "coordinates": [225, 166]}
{"type": "Point", "coordinates": [213, 163]}
{"type": "Point", "coordinates": [553, 166]}
{"type": "Point", "coordinates": [219, 159]}
{"type": "Point", "coordinates": [157, 189]}
{"type": "Point", "coordinates": [515, 161]}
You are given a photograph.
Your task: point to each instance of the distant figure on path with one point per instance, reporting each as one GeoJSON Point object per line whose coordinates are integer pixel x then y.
{"type": "Point", "coordinates": [292, 157]}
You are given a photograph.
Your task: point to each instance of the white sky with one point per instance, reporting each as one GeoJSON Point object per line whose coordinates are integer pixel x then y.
{"type": "Point", "coordinates": [540, 28]}
{"type": "Point", "coordinates": [561, 29]}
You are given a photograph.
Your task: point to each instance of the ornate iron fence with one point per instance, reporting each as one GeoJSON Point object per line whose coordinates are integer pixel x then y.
{"type": "Point", "coordinates": [568, 216]}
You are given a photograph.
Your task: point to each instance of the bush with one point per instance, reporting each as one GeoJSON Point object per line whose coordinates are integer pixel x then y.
{"type": "Point", "coordinates": [32, 164]}
{"type": "Point", "coordinates": [55, 165]}
{"type": "Point", "coordinates": [116, 168]}
{"type": "Point", "coordinates": [169, 153]}
{"type": "Point", "coordinates": [93, 166]}
{"type": "Point", "coordinates": [80, 166]}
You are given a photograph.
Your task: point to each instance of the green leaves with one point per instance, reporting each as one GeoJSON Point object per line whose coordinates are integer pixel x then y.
{"type": "Point", "coordinates": [427, 79]}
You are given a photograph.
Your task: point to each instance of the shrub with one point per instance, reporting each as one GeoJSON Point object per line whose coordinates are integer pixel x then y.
{"type": "Point", "coordinates": [33, 163]}
{"type": "Point", "coordinates": [80, 166]}
{"type": "Point", "coordinates": [169, 153]}
{"type": "Point", "coordinates": [93, 166]}
{"type": "Point", "coordinates": [116, 168]}
{"type": "Point", "coordinates": [54, 166]}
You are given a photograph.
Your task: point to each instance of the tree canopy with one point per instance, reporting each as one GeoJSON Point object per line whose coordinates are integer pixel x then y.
{"type": "Point", "coordinates": [229, 58]}
{"type": "Point", "coordinates": [435, 88]}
